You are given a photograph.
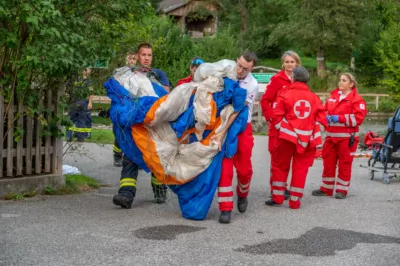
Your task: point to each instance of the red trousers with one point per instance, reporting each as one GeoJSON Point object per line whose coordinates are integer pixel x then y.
{"type": "Point", "coordinates": [244, 170]}
{"type": "Point", "coordinates": [272, 142]}
{"type": "Point", "coordinates": [337, 152]}
{"type": "Point", "coordinates": [284, 154]}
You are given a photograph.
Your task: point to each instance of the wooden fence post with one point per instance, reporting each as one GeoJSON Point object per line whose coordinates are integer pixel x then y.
{"type": "Point", "coordinates": [10, 134]}
{"type": "Point", "coordinates": [47, 138]}
{"type": "Point", "coordinates": [20, 123]}
{"type": "Point", "coordinates": [1, 133]}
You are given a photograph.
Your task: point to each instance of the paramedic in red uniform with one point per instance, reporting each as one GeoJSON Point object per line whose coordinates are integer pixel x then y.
{"type": "Point", "coordinates": [278, 83]}
{"type": "Point", "coordinates": [194, 64]}
{"type": "Point", "coordinates": [294, 116]}
{"type": "Point", "coordinates": [242, 159]}
{"type": "Point", "coordinates": [346, 111]}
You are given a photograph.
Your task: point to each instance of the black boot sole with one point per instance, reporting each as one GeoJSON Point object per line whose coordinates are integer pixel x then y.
{"type": "Point", "coordinates": [122, 201]}
{"type": "Point", "coordinates": [272, 203]}
{"type": "Point", "coordinates": [242, 206]}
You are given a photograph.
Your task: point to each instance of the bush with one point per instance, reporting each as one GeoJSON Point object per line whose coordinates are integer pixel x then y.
{"type": "Point", "coordinates": [388, 105]}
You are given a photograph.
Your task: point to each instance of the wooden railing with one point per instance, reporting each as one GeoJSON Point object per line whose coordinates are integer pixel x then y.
{"type": "Point", "coordinates": [324, 95]}
{"type": "Point", "coordinates": [258, 119]}
{"type": "Point", "coordinates": [32, 153]}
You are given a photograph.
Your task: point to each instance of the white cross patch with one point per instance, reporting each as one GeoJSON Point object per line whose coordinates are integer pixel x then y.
{"type": "Point", "coordinates": [362, 106]}
{"type": "Point", "coordinates": [302, 109]}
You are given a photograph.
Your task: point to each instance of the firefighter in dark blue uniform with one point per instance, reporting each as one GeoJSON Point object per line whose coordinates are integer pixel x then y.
{"type": "Point", "coordinates": [80, 107]}
{"type": "Point", "coordinates": [129, 173]}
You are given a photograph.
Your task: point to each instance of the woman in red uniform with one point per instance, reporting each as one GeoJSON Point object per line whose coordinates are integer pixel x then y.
{"type": "Point", "coordinates": [278, 83]}
{"type": "Point", "coordinates": [346, 111]}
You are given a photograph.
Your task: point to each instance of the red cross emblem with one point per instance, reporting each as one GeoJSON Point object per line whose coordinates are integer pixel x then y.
{"type": "Point", "coordinates": [302, 109]}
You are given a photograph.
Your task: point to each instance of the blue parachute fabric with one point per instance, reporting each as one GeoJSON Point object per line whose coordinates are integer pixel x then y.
{"type": "Point", "coordinates": [232, 94]}
{"type": "Point", "coordinates": [127, 111]}
{"type": "Point", "coordinates": [239, 125]}
{"type": "Point", "coordinates": [185, 120]}
{"type": "Point", "coordinates": [195, 197]}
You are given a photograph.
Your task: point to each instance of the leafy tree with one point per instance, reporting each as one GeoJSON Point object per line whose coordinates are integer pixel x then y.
{"type": "Point", "coordinates": [388, 49]}
{"type": "Point", "coordinates": [258, 19]}
{"type": "Point", "coordinates": [44, 42]}
{"type": "Point", "coordinates": [382, 15]}
{"type": "Point", "coordinates": [320, 26]}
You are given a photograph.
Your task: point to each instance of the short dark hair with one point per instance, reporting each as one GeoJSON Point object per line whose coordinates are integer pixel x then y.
{"type": "Point", "coordinates": [144, 45]}
{"type": "Point", "coordinates": [196, 61]}
{"type": "Point", "coordinates": [301, 74]}
{"type": "Point", "coordinates": [250, 57]}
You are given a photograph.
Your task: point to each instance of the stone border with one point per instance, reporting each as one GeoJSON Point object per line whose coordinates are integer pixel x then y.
{"type": "Point", "coordinates": [29, 184]}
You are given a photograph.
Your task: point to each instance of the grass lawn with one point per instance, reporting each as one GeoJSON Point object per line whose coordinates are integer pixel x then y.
{"type": "Point", "coordinates": [101, 120]}
{"type": "Point", "coordinates": [101, 136]}
{"type": "Point", "coordinates": [74, 184]}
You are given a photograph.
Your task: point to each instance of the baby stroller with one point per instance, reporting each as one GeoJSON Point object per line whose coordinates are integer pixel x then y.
{"type": "Point", "coordinates": [387, 153]}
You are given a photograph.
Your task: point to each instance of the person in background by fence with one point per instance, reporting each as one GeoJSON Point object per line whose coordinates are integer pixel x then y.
{"type": "Point", "coordinates": [346, 111]}
{"type": "Point", "coordinates": [295, 115]}
{"type": "Point", "coordinates": [194, 64]}
{"type": "Point", "coordinates": [278, 83]}
{"type": "Point", "coordinates": [80, 107]}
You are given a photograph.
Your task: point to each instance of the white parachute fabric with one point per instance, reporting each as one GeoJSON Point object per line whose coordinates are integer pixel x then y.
{"type": "Point", "coordinates": [184, 161]}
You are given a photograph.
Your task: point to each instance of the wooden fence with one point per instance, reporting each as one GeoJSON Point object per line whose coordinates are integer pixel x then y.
{"type": "Point", "coordinates": [34, 153]}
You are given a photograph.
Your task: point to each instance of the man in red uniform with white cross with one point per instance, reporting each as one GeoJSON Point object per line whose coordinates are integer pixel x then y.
{"type": "Point", "coordinates": [242, 159]}
{"type": "Point", "coordinates": [295, 115]}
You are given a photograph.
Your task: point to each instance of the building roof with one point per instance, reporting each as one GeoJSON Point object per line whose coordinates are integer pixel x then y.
{"type": "Point", "coordinates": [169, 5]}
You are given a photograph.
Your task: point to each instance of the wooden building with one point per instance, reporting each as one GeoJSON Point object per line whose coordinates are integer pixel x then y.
{"type": "Point", "coordinates": [198, 18]}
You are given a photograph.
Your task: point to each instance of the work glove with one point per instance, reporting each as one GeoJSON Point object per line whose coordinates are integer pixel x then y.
{"type": "Point", "coordinates": [334, 118]}
{"type": "Point", "coordinates": [328, 119]}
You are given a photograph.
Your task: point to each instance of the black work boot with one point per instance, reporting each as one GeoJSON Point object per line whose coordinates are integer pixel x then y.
{"type": "Point", "coordinates": [123, 201]}
{"type": "Point", "coordinates": [340, 195]}
{"type": "Point", "coordinates": [225, 217]}
{"type": "Point", "coordinates": [271, 202]}
{"type": "Point", "coordinates": [318, 192]}
{"type": "Point", "coordinates": [242, 204]}
{"type": "Point", "coordinates": [287, 194]}
{"type": "Point", "coordinates": [117, 160]}
{"type": "Point", "coordinates": [160, 193]}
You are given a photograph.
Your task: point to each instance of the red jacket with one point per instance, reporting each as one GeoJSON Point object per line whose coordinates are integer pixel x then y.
{"type": "Point", "coordinates": [351, 111]}
{"type": "Point", "coordinates": [277, 84]}
{"type": "Point", "coordinates": [296, 114]}
{"type": "Point", "coordinates": [184, 80]}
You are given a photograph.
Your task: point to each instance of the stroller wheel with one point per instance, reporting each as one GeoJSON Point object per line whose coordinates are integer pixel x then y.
{"type": "Point", "coordinates": [371, 174]}
{"type": "Point", "coordinates": [386, 178]}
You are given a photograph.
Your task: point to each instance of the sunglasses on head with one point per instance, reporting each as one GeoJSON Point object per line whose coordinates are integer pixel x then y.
{"type": "Point", "coordinates": [197, 61]}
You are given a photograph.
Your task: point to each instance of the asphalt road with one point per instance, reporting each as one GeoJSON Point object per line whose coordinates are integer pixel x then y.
{"type": "Point", "coordinates": [87, 229]}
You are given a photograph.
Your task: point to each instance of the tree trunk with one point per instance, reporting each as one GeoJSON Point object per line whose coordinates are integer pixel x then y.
{"type": "Point", "coordinates": [321, 64]}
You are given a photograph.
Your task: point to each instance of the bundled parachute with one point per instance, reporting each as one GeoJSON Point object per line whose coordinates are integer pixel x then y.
{"type": "Point", "coordinates": [171, 134]}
